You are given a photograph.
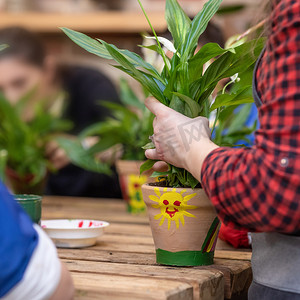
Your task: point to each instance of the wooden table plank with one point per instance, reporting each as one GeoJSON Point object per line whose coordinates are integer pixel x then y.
{"type": "Point", "coordinates": [92, 203]}
{"type": "Point", "coordinates": [207, 284]}
{"type": "Point", "coordinates": [115, 287]}
{"type": "Point", "coordinates": [129, 229]}
{"type": "Point", "coordinates": [146, 246]}
{"type": "Point", "coordinates": [126, 240]}
{"type": "Point", "coordinates": [237, 274]}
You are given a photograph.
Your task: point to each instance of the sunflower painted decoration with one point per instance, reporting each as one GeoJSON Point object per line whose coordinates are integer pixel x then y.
{"type": "Point", "coordinates": [173, 206]}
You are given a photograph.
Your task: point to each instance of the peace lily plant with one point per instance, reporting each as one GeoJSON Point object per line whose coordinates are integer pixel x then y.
{"type": "Point", "coordinates": [187, 83]}
{"type": "Point", "coordinates": [184, 84]}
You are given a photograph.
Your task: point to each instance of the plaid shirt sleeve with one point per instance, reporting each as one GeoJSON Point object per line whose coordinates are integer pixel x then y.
{"type": "Point", "coordinates": [259, 188]}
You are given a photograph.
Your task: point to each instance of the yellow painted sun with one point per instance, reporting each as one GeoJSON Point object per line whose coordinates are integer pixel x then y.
{"type": "Point", "coordinates": [173, 206]}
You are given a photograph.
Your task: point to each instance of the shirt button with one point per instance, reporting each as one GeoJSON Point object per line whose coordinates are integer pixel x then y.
{"type": "Point", "coordinates": [284, 162]}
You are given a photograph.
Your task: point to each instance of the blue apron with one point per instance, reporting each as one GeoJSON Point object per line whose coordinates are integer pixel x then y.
{"type": "Point", "coordinates": [275, 256]}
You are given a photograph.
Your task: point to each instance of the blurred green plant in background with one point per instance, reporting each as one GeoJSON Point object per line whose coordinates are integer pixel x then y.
{"type": "Point", "coordinates": [23, 142]}
{"type": "Point", "coordinates": [129, 126]}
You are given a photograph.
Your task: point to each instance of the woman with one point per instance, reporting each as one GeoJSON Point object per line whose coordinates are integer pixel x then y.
{"type": "Point", "coordinates": [25, 67]}
{"type": "Point", "coordinates": [256, 188]}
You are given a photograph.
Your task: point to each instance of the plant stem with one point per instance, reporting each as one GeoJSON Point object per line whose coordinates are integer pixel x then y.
{"type": "Point", "coordinates": [226, 85]}
{"type": "Point", "coordinates": [250, 30]}
{"type": "Point", "coordinates": [158, 43]}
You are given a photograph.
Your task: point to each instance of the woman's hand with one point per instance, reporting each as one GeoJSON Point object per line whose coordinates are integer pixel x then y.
{"type": "Point", "coordinates": [111, 155]}
{"type": "Point", "coordinates": [179, 140]}
{"type": "Point", "coordinates": [56, 155]}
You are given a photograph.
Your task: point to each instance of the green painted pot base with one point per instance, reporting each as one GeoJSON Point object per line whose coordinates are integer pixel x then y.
{"type": "Point", "coordinates": [184, 258]}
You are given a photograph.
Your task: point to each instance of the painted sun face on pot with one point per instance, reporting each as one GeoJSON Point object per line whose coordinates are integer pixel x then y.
{"type": "Point", "coordinates": [173, 206]}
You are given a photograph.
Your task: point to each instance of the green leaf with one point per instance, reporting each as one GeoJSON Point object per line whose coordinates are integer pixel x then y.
{"type": "Point", "coordinates": [3, 163]}
{"type": "Point", "coordinates": [178, 22]}
{"type": "Point", "coordinates": [177, 104]}
{"type": "Point", "coordinates": [105, 143]}
{"type": "Point", "coordinates": [244, 96]}
{"type": "Point", "coordinates": [193, 105]}
{"type": "Point", "coordinates": [134, 59]}
{"type": "Point", "coordinates": [128, 97]}
{"type": "Point", "coordinates": [245, 79]}
{"type": "Point", "coordinates": [154, 48]}
{"type": "Point", "coordinates": [192, 181]}
{"type": "Point", "coordinates": [229, 9]}
{"type": "Point", "coordinates": [117, 108]}
{"type": "Point", "coordinates": [230, 63]}
{"type": "Point", "coordinates": [105, 127]}
{"type": "Point", "coordinates": [154, 87]}
{"type": "Point", "coordinates": [87, 43]}
{"type": "Point", "coordinates": [149, 146]}
{"type": "Point", "coordinates": [198, 26]}
{"type": "Point", "coordinates": [98, 48]}
{"type": "Point", "coordinates": [206, 53]}
{"type": "Point", "coordinates": [160, 174]}
{"type": "Point", "coordinates": [147, 165]}
{"type": "Point", "coordinates": [239, 119]}
{"type": "Point", "coordinates": [81, 158]}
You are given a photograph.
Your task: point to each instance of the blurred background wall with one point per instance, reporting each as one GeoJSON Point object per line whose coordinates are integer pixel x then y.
{"type": "Point", "coordinates": [116, 21]}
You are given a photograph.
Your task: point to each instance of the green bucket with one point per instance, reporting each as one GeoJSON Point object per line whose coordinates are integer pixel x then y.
{"type": "Point", "coordinates": [32, 204]}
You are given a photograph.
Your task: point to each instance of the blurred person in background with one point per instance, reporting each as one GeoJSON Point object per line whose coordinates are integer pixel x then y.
{"type": "Point", "coordinates": [25, 68]}
{"type": "Point", "coordinates": [29, 265]}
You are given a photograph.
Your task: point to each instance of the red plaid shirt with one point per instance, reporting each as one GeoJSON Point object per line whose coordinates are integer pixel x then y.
{"type": "Point", "coordinates": [259, 188]}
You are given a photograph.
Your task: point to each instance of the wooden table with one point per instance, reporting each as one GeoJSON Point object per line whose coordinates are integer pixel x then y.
{"type": "Point", "coordinates": [122, 263]}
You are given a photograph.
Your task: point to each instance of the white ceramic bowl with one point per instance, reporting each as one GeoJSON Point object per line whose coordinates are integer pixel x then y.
{"type": "Point", "coordinates": [74, 233]}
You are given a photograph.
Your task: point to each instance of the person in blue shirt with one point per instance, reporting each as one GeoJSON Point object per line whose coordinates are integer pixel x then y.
{"type": "Point", "coordinates": [29, 266]}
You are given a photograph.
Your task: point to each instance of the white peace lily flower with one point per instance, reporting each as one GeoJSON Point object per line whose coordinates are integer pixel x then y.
{"type": "Point", "coordinates": [168, 44]}
{"type": "Point", "coordinates": [151, 56]}
{"type": "Point", "coordinates": [235, 77]}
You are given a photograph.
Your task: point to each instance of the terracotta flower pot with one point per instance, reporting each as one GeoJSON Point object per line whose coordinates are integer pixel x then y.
{"type": "Point", "coordinates": [184, 225]}
{"type": "Point", "coordinates": [131, 182]}
{"type": "Point", "coordinates": [24, 184]}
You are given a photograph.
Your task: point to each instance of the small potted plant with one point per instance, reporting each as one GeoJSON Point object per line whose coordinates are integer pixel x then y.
{"type": "Point", "coordinates": [183, 221]}
{"type": "Point", "coordinates": [22, 146]}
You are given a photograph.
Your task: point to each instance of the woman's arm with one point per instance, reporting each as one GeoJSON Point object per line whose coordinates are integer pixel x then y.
{"type": "Point", "coordinates": [259, 188]}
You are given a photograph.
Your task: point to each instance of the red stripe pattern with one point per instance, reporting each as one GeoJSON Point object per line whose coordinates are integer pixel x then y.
{"type": "Point", "coordinates": [258, 188]}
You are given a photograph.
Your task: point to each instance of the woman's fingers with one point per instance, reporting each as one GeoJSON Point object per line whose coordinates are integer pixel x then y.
{"type": "Point", "coordinates": [157, 108]}
{"type": "Point", "coordinates": [152, 154]}
{"type": "Point", "coordinates": [160, 166]}
{"type": "Point", "coordinates": [59, 159]}
{"type": "Point", "coordinates": [51, 147]}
